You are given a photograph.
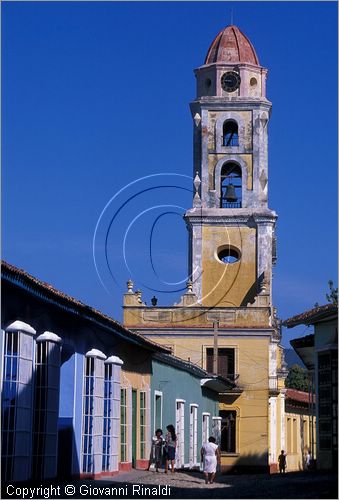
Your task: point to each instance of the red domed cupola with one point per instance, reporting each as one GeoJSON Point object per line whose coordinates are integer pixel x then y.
{"type": "Point", "coordinates": [231, 46]}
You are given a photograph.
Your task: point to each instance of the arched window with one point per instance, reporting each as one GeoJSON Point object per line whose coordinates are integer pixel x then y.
{"type": "Point", "coordinates": [230, 135]}
{"type": "Point", "coordinates": [231, 186]}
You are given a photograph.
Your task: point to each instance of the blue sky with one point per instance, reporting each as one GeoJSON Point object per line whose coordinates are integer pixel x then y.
{"type": "Point", "coordinates": [96, 95]}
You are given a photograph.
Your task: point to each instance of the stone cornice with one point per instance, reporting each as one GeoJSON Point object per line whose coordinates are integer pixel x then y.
{"type": "Point", "coordinates": [227, 219]}
{"type": "Point", "coordinates": [228, 65]}
{"type": "Point", "coordinates": [221, 220]}
{"type": "Point", "coordinates": [265, 219]}
{"type": "Point", "coordinates": [193, 331]}
{"type": "Point", "coordinates": [238, 103]}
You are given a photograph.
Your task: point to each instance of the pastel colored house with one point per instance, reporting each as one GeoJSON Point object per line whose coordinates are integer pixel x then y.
{"type": "Point", "coordinates": [187, 397]}
{"type": "Point", "coordinates": [78, 388]}
{"type": "Point", "coordinates": [319, 353]}
{"type": "Point", "coordinates": [300, 428]}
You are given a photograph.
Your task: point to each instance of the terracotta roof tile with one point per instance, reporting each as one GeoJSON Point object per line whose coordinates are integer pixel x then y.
{"type": "Point", "coordinates": [21, 277]}
{"type": "Point", "coordinates": [312, 315]}
{"type": "Point", "coordinates": [231, 46]}
{"type": "Point", "coordinates": [298, 396]}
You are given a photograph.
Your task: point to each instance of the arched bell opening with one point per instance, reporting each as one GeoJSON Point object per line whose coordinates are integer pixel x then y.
{"type": "Point", "coordinates": [230, 136]}
{"type": "Point", "coordinates": [231, 186]}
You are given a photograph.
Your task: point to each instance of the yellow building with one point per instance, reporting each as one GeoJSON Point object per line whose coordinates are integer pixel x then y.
{"type": "Point", "coordinates": [226, 321]}
{"type": "Point", "coordinates": [300, 427]}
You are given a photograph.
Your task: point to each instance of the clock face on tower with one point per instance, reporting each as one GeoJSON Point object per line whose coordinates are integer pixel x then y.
{"type": "Point", "coordinates": [230, 81]}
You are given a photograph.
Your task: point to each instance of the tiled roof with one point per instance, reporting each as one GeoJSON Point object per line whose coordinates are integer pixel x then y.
{"type": "Point", "coordinates": [231, 46]}
{"type": "Point", "coordinates": [47, 292]}
{"type": "Point", "coordinates": [191, 367]}
{"type": "Point", "coordinates": [298, 396]}
{"type": "Point", "coordinates": [312, 316]}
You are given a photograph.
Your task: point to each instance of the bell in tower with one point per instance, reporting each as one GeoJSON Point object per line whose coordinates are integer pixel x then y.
{"type": "Point", "coordinates": [229, 194]}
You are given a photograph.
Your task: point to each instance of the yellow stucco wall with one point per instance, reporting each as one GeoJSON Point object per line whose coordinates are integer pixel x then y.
{"type": "Point", "coordinates": [137, 376]}
{"type": "Point", "coordinates": [242, 117]}
{"type": "Point", "coordinates": [195, 317]}
{"type": "Point", "coordinates": [227, 285]}
{"type": "Point", "coordinates": [251, 363]}
{"type": "Point", "coordinates": [298, 438]}
{"type": "Point", "coordinates": [140, 383]}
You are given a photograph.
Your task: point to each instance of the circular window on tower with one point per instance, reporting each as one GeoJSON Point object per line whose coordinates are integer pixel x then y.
{"type": "Point", "coordinates": [228, 254]}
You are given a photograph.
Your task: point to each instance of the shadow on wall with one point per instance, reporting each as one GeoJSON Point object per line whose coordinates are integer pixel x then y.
{"type": "Point", "coordinates": [250, 296]}
{"type": "Point", "coordinates": [66, 445]}
{"type": "Point", "coordinates": [68, 460]}
{"type": "Point", "coordinates": [251, 463]}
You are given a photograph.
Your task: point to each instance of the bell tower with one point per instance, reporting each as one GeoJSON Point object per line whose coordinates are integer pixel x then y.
{"type": "Point", "coordinates": [225, 321]}
{"type": "Point", "coordinates": [232, 242]}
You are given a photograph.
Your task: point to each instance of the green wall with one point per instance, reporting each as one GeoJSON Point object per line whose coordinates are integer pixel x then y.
{"type": "Point", "coordinates": [176, 383]}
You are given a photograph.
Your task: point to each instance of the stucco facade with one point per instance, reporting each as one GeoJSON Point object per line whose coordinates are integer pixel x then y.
{"type": "Point", "coordinates": [179, 395]}
{"type": "Point", "coordinates": [300, 425]}
{"type": "Point", "coordinates": [79, 391]}
{"type": "Point", "coordinates": [64, 369]}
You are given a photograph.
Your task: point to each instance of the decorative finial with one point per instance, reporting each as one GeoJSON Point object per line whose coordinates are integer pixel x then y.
{"type": "Point", "coordinates": [264, 285]}
{"type": "Point", "coordinates": [197, 183]}
{"type": "Point", "coordinates": [138, 294]}
{"type": "Point", "coordinates": [197, 119]}
{"type": "Point", "coordinates": [154, 301]}
{"type": "Point", "coordinates": [189, 286]}
{"type": "Point", "coordinates": [130, 285]}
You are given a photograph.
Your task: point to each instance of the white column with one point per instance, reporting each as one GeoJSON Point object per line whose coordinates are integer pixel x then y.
{"type": "Point", "coordinates": [115, 409]}
{"type": "Point", "coordinates": [196, 251]}
{"type": "Point", "coordinates": [48, 354]}
{"type": "Point", "coordinates": [282, 421]}
{"type": "Point", "coordinates": [205, 427]}
{"type": "Point", "coordinates": [180, 432]}
{"type": "Point", "coordinates": [193, 435]}
{"type": "Point", "coordinates": [216, 429]}
{"type": "Point", "coordinates": [17, 399]}
{"type": "Point", "coordinates": [98, 409]}
{"type": "Point", "coordinates": [272, 366]}
{"type": "Point", "coordinates": [148, 423]}
{"type": "Point", "coordinates": [273, 429]}
{"type": "Point", "coordinates": [129, 423]}
{"type": "Point", "coordinates": [98, 425]}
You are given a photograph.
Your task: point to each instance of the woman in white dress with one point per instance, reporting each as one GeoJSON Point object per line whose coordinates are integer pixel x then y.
{"type": "Point", "coordinates": [210, 456]}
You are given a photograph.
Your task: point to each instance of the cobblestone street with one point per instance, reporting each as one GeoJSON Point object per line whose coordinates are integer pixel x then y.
{"type": "Point", "coordinates": [192, 485]}
{"type": "Point", "coordinates": [142, 484]}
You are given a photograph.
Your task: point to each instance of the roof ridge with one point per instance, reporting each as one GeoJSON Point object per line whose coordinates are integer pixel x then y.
{"type": "Point", "coordinates": [21, 274]}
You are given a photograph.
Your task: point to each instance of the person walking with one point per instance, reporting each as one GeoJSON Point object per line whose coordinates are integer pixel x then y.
{"type": "Point", "coordinates": [282, 462]}
{"type": "Point", "coordinates": [156, 450]}
{"type": "Point", "coordinates": [308, 460]}
{"type": "Point", "coordinates": [170, 447]}
{"type": "Point", "coordinates": [210, 457]}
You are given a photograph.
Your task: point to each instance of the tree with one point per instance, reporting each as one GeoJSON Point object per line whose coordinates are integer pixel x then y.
{"type": "Point", "coordinates": [332, 297]}
{"type": "Point", "coordinates": [297, 378]}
